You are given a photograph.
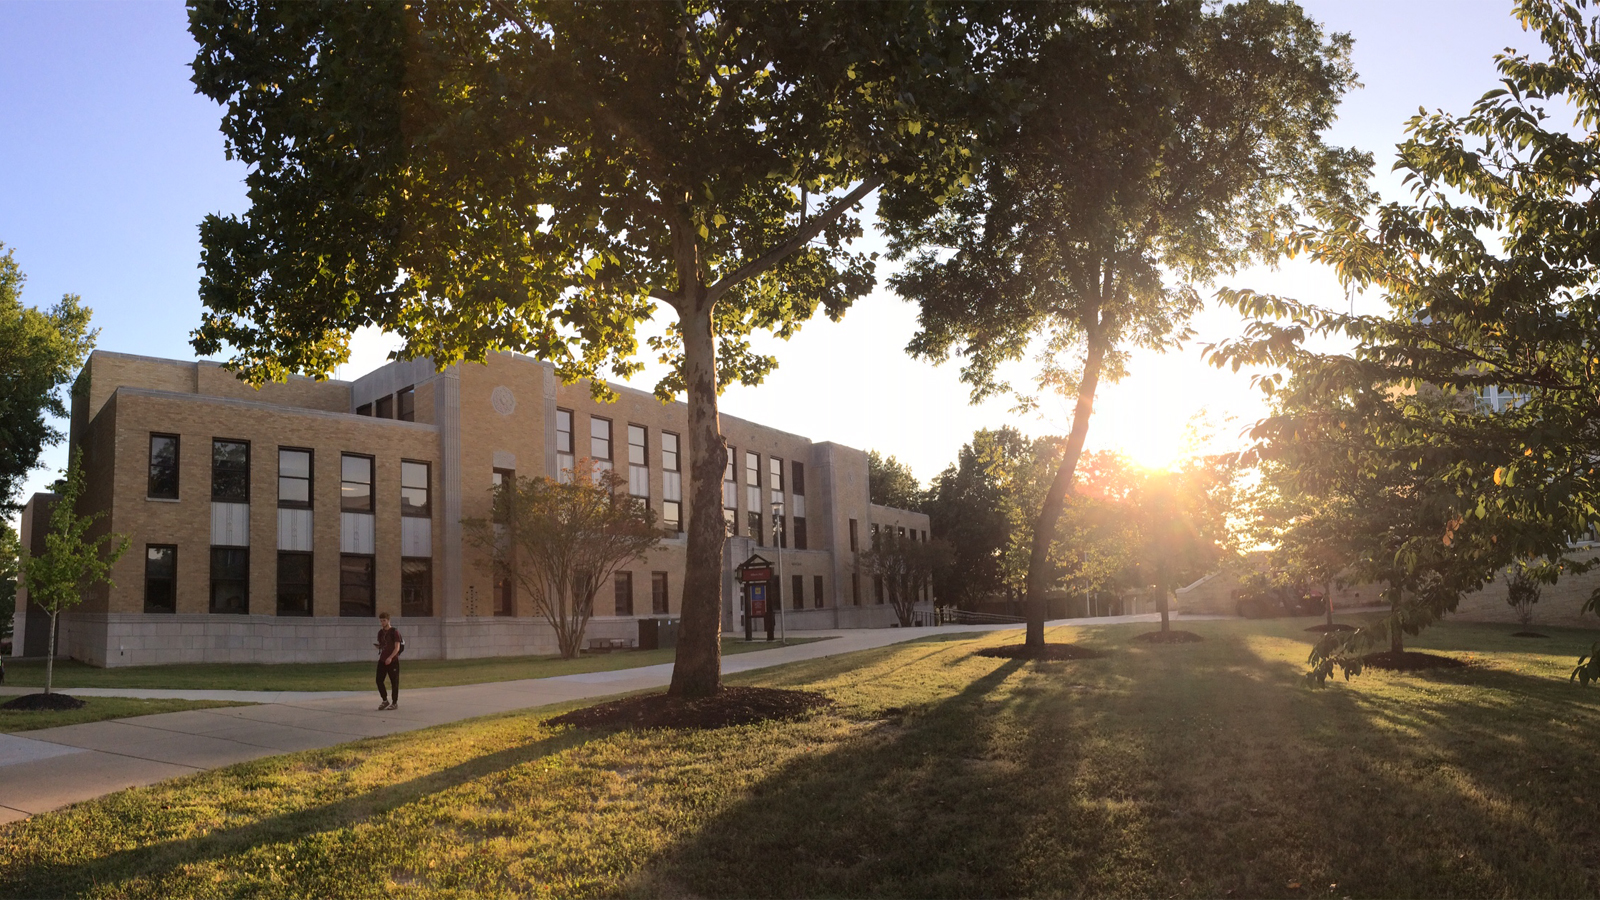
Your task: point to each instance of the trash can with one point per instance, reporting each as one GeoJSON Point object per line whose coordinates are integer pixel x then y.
{"type": "Point", "coordinates": [668, 633]}
{"type": "Point", "coordinates": [650, 634]}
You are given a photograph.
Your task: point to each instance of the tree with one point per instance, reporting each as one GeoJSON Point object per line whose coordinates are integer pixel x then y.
{"type": "Point", "coordinates": [72, 561]}
{"type": "Point", "coordinates": [968, 507]}
{"type": "Point", "coordinates": [906, 565]}
{"type": "Point", "coordinates": [1522, 592]}
{"type": "Point", "coordinates": [1183, 523]}
{"type": "Point", "coordinates": [544, 177]}
{"type": "Point", "coordinates": [9, 550]}
{"type": "Point", "coordinates": [890, 482]}
{"type": "Point", "coordinates": [1158, 140]}
{"type": "Point", "coordinates": [563, 541]}
{"type": "Point", "coordinates": [39, 352]}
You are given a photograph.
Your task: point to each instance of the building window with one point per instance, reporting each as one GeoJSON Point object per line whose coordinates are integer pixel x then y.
{"type": "Point", "coordinates": [752, 500]}
{"type": "Point", "coordinates": [780, 527]}
{"type": "Point", "coordinates": [294, 584]}
{"type": "Point", "coordinates": [638, 462]}
{"type": "Point", "coordinates": [855, 545]}
{"type": "Point", "coordinates": [160, 578]}
{"type": "Point", "coordinates": [364, 409]}
{"type": "Point", "coordinates": [294, 479]}
{"type": "Point", "coordinates": [406, 400]}
{"type": "Point", "coordinates": [799, 584]}
{"type": "Point", "coordinates": [855, 588]}
{"type": "Point", "coordinates": [623, 584]}
{"type": "Point", "coordinates": [816, 591]}
{"type": "Point", "coordinates": [356, 590]}
{"type": "Point", "coordinates": [230, 471]}
{"type": "Point", "coordinates": [416, 587]}
{"type": "Point", "coordinates": [671, 484]}
{"type": "Point", "coordinates": [505, 592]}
{"type": "Point", "coordinates": [564, 445]}
{"type": "Point", "coordinates": [163, 467]}
{"type": "Point", "coordinates": [355, 483]}
{"type": "Point", "coordinates": [659, 604]}
{"type": "Point", "coordinates": [877, 588]}
{"type": "Point", "coordinates": [230, 580]}
{"type": "Point", "coordinates": [385, 407]}
{"type": "Point", "coordinates": [599, 439]}
{"type": "Point", "coordinates": [414, 489]}
{"type": "Point", "coordinates": [730, 494]}
{"type": "Point", "coordinates": [797, 511]}
{"type": "Point", "coordinates": [501, 478]}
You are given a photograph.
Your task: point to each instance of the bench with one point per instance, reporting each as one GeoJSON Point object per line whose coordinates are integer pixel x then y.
{"type": "Point", "coordinates": [606, 645]}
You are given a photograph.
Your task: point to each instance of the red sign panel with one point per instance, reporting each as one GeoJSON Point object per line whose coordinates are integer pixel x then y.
{"type": "Point", "coordinates": [762, 574]}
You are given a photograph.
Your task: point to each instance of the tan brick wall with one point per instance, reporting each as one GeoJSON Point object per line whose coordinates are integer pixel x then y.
{"type": "Point", "coordinates": [108, 371]}
{"type": "Point", "coordinates": [186, 522]}
{"type": "Point", "coordinates": [1560, 604]}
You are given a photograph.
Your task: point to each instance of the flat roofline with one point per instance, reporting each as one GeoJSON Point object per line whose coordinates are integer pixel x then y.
{"type": "Point", "coordinates": [273, 407]}
{"type": "Point", "coordinates": [195, 362]}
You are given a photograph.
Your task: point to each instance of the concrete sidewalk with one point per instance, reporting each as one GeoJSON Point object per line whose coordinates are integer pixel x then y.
{"type": "Point", "coordinates": [54, 767]}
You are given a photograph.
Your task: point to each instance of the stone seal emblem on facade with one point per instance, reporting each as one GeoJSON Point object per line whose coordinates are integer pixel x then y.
{"type": "Point", "coordinates": [503, 401]}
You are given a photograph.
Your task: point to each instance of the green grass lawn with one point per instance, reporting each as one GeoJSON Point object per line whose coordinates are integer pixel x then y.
{"type": "Point", "coordinates": [356, 676]}
{"type": "Point", "coordinates": [1194, 770]}
{"type": "Point", "coordinates": [96, 709]}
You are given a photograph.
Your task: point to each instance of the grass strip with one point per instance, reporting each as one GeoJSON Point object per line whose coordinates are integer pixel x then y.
{"type": "Point", "coordinates": [96, 709]}
{"type": "Point", "coordinates": [1196, 770]}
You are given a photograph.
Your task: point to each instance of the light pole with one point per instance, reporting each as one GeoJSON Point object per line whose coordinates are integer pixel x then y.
{"type": "Point", "coordinates": [777, 541]}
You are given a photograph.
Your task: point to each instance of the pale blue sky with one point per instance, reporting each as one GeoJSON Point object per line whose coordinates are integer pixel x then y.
{"type": "Point", "coordinates": [108, 161]}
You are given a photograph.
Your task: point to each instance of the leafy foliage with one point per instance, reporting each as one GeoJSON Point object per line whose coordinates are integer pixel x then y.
{"type": "Point", "coordinates": [1522, 592]}
{"type": "Point", "coordinates": [1159, 146]}
{"type": "Point", "coordinates": [10, 550]}
{"type": "Point", "coordinates": [891, 482]}
{"type": "Point", "coordinates": [563, 541]}
{"type": "Point", "coordinates": [906, 566]}
{"type": "Point", "coordinates": [39, 352]}
{"type": "Point", "coordinates": [73, 561]}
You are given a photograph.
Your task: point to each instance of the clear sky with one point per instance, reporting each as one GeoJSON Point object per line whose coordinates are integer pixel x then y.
{"type": "Point", "coordinates": [109, 160]}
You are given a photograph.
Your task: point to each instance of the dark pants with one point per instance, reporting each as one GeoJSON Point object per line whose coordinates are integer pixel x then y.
{"type": "Point", "coordinates": [392, 670]}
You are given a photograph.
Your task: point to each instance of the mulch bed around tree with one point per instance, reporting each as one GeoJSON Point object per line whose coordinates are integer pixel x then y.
{"type": "Point", "coordinates": [1410, 661]}
{"type": "Point", "coordinates": [1168, 637]}
{"type": "Point", "coordinates": [1528, 634]}
{"type": "Point", "coordinates": [44, 702]}
{"type": "Point", "coordinates": [1324, 627]}
{"type": "Point", "coordinates": [729, 706]}
{"type": "Point", "coordinates": [1047, 652]}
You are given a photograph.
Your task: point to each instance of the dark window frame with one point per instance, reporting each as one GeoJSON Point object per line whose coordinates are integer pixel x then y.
{"type": "Point", "coordinates": [352, 608]}
{"type": "Point", "coordinates": [175, 467]}
{"type": "Point", "coordinates": [310, 479]}
{"type": "Point", "coordinates": [817, 584]}
{"type": "Point", "coordinates": [226, 469]}
{"type": "Point", "coordinates": [309, 584]}
{"type": "Point", "coordinates": [567, 433]}
{"type": "Point", "coordinates": [171, 579]}
{"type": "Point", "coordinates": [409, 605]}
{"type": "Point", "coordinates": [383, 407]}
{"type": "Point", "coordinates": [619, 579]}
{"type": "Point", "coordinates": [234, 556]}
{"type": "Point", "coordinates": [660, 594]}
{"type": "Point", "coordinates": [372, 483]}
{"type": "Point", "coordinates": [405, 404]}
{"type": "Point", "coordinates": [406, 509]}
{"type": "Point", "coordinates": [798, 584]}
{"type": "Point", "coordinates": [855, 540]}
{"type": "Point", "coordinates": [610, 439]}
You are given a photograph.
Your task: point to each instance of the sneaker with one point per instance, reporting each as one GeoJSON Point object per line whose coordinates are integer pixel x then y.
{"type": "Point", "coordinates": [395, 705]}
{"type": "Point", "coordinates": [383, 706]}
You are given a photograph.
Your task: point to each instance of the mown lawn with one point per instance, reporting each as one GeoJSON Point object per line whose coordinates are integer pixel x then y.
{"type": "Point", "coordinates": [1195, 770]}
{"type": "Point", "coordinates": [355, 676]}
{"type": "Point", "coordinates": [96, 709]}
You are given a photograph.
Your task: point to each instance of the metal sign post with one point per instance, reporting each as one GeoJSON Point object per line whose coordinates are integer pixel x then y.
{"type": "Point", "coordinates": [754, 574]}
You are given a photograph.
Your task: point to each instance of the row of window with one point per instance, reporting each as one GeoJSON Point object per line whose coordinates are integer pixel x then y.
{"type": "Point", "coordinates": [758, 525]}
{"type": "Point", "coordinates": [401, 405]}
{"type": "Point", "coordinates": [230, 477]}
{"type": "Point", "coordinates": [230, 583]}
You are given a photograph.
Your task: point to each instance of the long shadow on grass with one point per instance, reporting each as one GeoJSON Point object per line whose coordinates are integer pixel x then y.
{"type": "Point", "coordinates": [69, 878]}
{"type": "Point", "coordinates": [1210, 772]}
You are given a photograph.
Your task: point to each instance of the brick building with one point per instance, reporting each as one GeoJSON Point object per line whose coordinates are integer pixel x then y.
{"type": "Point", "coordinates": [271, 525]}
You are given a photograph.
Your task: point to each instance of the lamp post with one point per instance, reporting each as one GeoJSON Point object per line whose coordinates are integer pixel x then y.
{"type": "Point", "coordinates": [777, 541]}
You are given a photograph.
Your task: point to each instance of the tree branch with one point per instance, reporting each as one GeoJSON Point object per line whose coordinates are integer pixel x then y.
{"type": "Point", "coordinates": [804, 233]}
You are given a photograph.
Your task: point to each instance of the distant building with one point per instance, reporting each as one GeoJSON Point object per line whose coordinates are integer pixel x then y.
{"type": "Point", "coordinates": [272, 525]}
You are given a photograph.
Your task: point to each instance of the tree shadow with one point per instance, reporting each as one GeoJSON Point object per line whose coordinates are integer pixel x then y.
{"type": "Point", "coordinates": [56, 878]}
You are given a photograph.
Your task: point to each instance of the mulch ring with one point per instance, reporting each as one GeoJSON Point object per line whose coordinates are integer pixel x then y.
{"type": "Point", "coordinates": [1410, 661]}
{"type": "Point", "coordinates": [1324, 627]}
{"type": "Point", "coordinates": [43, 702]}
{"type": "Point", "coordinates": [1046, 652]}
{"type": "Point", "coordinates": [728, 706]}
{"type": "Point", "coordinates": [1168, 637]}
{"type": "Point", "coordinates": [1533, 634]}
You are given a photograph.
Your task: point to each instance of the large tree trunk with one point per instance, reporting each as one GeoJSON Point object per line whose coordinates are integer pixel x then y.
{"type": "Point", "coordinates": [698, 668]}
{"type": "Point", "coordinates": [1327, 601]}
{"type": "Point", "coordinates": [1162, 582]}
{"type": "Point", "coordinates": [1055, 501]}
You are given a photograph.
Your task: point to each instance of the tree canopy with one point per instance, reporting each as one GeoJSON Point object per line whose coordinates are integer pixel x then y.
{"type": "Point", "coordinates": [40, 351]}
{"type": "Point", "coordinates": [891, 482]}
{"type": "Point", "coordinates": [1158, 146]}
{"type": "Point", "coordinates": [545, 177]}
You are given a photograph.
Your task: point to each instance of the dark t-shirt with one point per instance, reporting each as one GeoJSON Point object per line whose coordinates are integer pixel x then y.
{"type": "Point", "coordinates": [388, 640]}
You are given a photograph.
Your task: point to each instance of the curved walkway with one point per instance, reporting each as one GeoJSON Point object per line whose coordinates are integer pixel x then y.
{"type": "Point", "coordinates": [53, 767]}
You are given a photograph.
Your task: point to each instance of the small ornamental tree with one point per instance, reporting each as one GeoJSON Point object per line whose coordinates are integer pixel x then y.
{"type": "Point", "coordinates": [1522, 592]}
{"type": "Point", "coordinates": [72, 562]}
{"type": "Point", "coordinates": [562, 542]}
{"type": "Point", "coordinates": [906, 565]}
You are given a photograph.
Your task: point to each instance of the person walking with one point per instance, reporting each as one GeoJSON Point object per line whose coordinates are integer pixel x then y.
{"type": "Point", "coordinates": [390, 645]}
